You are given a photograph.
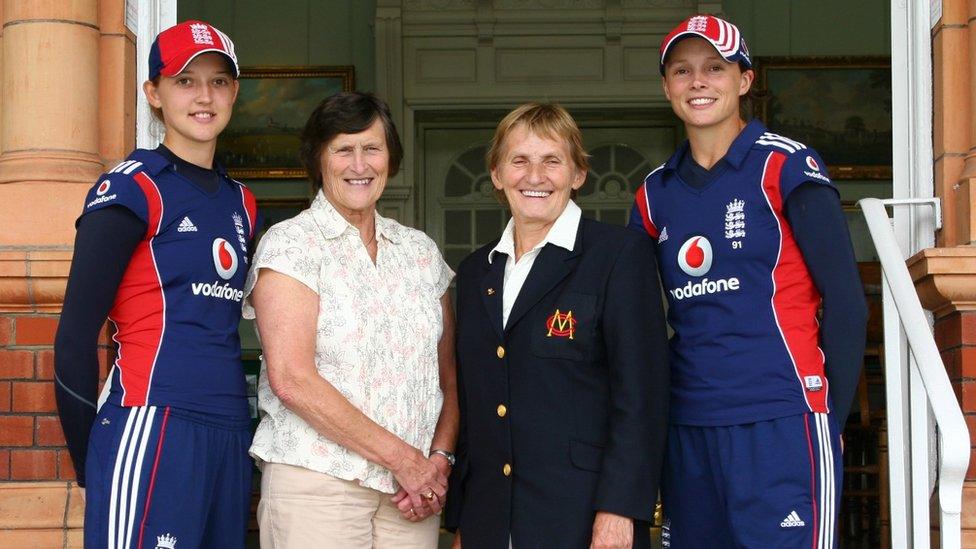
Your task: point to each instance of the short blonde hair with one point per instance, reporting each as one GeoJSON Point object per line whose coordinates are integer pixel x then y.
{"type": "Point", "coordinates": [549, 120]}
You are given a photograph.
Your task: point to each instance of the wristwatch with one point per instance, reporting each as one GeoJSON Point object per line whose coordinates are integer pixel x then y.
{"type": "Point", "coordinates": [447, 455]}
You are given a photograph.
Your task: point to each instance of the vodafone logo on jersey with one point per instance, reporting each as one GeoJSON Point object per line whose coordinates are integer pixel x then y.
{"type": "Point", "coordinates": [225, 258]}
{"type": "Point", "coordinates": [103, 188]}
{"type": "Point", "coordinates": [695, 259]}
{"type": "Point", "coordinates": [225, 262]}
{"type": "Point", "coordinates": [695, 256]}
{"type": "Point", "coordinates": [812, 164]}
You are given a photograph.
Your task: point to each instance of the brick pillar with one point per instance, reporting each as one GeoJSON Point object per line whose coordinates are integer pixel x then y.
{"type": "Point", "coordinates": [67, 104]}
{"type": "Point", "coordinates": [945, 276]}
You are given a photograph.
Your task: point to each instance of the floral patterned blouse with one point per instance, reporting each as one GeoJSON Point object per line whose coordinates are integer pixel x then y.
{"type": "Point", "coordinates": [376, 336]}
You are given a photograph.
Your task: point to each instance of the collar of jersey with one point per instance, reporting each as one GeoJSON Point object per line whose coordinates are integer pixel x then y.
{"type": "Point", "coordinates": [153, 162]}
{"type": "Point", "coordinates": [334, 225]}
{"type": "Point", "coordinates": [737, 152]}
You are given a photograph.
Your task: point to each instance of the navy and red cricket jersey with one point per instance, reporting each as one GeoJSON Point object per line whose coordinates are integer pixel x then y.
{"type": "Point", "coordinates": [178, 307]}
{"type": "Point", "coordinates": [742, 303]}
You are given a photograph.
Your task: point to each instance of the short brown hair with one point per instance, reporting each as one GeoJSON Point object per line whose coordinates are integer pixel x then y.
{"type": "Point", "coordinates": [346, 113]}
{"type": "Point", "coordinates": [549, 120]}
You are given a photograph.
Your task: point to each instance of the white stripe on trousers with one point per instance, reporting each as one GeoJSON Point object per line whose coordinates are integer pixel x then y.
{"type": "Point", "coordinates": [828, 486]}
{"type": "Point", "coordinates": [128, 465]}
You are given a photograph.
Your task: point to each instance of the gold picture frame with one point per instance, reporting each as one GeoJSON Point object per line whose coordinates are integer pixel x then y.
{"type": "Point", "coordinates": [840, 106]}
{"type": "Point", "coordinates": [262, 139]}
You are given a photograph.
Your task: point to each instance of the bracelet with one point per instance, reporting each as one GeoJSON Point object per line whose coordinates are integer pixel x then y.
{"type": "Point", "coordinates": [445, 454]}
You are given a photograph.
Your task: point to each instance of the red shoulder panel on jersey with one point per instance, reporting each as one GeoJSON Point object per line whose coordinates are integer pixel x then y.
{"type": "Point", "coordinates": [139, 310]}
{"type": "Point", "coordinates": [795, 299]}
{"type": "Point", "coordinates": [644, 207]}
{"type": "Point", "coordinates": [251, 206]}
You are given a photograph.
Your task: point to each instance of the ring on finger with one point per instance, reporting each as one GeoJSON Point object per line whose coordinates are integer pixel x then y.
{"type": "Point", "coordinates": [428, 495]}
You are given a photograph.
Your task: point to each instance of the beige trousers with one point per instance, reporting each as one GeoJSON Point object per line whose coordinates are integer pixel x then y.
{"type": "Point", "coordinates": [302, 509]}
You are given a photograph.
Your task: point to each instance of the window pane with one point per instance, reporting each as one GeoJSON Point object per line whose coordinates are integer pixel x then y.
{"type": "Point", "coordinates": [626, 159]}
{"type": "Point", "coordinates": [457, 184]}
{"type": "Point", "coordinates": [457, 227]}
{"type": "Point", "coordinates": [474, 160]}
{"type": "Point", "coordinates": [453, 256]}
{"type": "Point", "coordinates": [600, 159]}
{"type": "Point", "coordinates": [489, 225]}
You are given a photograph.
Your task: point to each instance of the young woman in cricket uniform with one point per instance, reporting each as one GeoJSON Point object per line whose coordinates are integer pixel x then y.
{"type": "Point", "coordinates": [162, 252]}
{"type": "Point", "coordinates": [751, 241]}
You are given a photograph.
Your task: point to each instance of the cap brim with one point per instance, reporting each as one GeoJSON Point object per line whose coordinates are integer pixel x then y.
{"type": "Point", "coordinates": [681, 36]}
{"type": "Point", "coordinates": [179, 64]}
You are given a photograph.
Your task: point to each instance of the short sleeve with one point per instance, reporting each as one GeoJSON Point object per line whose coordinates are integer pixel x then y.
{"type": "Point", "coordinates": [117, 189]}
{"type": "Point", "coordinates": [289, 249]}
{"type": "Point", "coordinates": [439, 273]}
{"type": "Point", "coordinates": [802, 166]}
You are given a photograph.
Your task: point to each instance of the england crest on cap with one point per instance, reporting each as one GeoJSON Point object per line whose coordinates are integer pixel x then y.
{"type": "Point", "coordinates": [722, 35]}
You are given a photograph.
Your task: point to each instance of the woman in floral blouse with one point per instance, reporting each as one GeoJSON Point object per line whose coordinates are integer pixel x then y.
{"type": "Point", "coordinates": [357, 392]}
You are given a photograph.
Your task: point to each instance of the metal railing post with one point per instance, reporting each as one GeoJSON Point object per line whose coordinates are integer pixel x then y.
{"type": "Point", "coordinates": [953, 434]}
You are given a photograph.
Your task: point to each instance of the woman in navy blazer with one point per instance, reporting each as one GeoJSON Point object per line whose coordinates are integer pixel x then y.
{"type": "Point", "coordinates": [562, 359]}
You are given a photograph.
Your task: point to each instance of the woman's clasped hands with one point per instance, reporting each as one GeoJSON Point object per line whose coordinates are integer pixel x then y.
{"type": "Point", "coordinates": [423, 485]}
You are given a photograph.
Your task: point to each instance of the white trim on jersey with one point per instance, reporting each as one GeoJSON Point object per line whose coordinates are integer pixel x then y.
{"type": "Point", "coordinates": [779, 144]}
{"type": "Point", "coordinates": [776, 136]}
{"type": "Point", "coordinates": [106, 389]}
{"type": "Point", "coordinates": [120, 166]}
{"type": "Point", "coordinates": [647, 198]}
{"type": "Point", "coordinates": [777, 140]}
{"type": "Point", "coordinates": [828, 486]}
{"type": "Point", "coordinates": [126, 167]}
{"type": "Point", "coordinates": [654, 171]}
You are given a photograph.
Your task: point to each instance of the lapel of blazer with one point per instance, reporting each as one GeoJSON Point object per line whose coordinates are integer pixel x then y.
{"type": "Point", "coordinates": [492, 285]}
{"type": "Point", "coordinates": [551, 266]}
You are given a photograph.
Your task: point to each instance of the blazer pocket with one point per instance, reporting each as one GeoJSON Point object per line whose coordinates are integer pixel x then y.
{"type": "Point", "coordinates": [565, 330]}
{"type": "Point", "coordinates": [586, 456]}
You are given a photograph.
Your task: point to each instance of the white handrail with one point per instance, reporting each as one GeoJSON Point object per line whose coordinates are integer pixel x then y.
{"type": "Point", "coordinates": [953, 438]}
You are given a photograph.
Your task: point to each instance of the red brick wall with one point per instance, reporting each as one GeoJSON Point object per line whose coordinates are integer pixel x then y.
{"type": "Point", "coordinates": [31, 441]}
{"type": "Point", "coordinates": [955, 335]}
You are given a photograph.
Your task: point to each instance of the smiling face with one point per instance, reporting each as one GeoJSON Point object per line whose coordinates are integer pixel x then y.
{"type": "Point", "coordinates": [537, 175]}
{"type": "Point", "coordinates": [354, 170]}
{"type": "Point", "coordinates": [703, 88]}
{"type": "Point", "coordinates": [196, 103]}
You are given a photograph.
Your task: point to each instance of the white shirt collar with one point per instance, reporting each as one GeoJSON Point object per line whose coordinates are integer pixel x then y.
{"type": "Point", "coordinates": [562, 233]}
{"type": "Point", "coordinates": [333, 224]}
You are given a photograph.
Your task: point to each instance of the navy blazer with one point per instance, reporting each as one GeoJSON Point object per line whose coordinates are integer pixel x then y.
{"type": "Point", "coordinates": [564, 411]}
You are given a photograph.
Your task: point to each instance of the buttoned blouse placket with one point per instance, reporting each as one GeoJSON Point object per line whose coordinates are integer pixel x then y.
{"type": "Point", "coordinates": [363, 316]}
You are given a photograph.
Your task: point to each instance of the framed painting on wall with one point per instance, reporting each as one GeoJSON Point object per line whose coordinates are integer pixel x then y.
{"type": "Point", "coordinates": [263, 137]}
{"type": "Point", "coordinates": [276, 210]}
{"type": "Point", "coordinates": [841, 106]}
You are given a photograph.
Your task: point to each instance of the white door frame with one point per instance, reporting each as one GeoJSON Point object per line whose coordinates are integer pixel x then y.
{"type": "Point", "coordinates": [909, 418]}
{"type": "Point", "coordinates": [152, 16]}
